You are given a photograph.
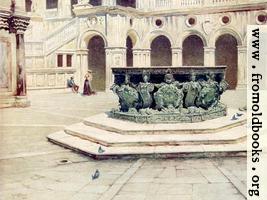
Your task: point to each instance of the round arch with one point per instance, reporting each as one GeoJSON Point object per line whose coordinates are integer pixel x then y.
{"type": "Point", "coordinates": [186, 34]}
{"type": "Point", "coordinates": [154, 34]}
{"type": "Point", "coordinates": [226, 54]}
{"type": "Point", "coordinates": [161, 52]}
{"type": "Point", "coordinates": [86, 36]}
{"type": "Point", "coordinates": [223, 31]}
{"type": "Point", "coordinates": [134, 37]}
{"type": "Point", "coordinates": [193, 51]}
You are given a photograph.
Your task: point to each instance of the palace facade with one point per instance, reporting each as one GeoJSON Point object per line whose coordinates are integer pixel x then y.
{"type": "Point", "coordinates": [68, 37]}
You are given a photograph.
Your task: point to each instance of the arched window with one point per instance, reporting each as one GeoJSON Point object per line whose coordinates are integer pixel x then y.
{"type": "Point", "coordinates": [161, 54]}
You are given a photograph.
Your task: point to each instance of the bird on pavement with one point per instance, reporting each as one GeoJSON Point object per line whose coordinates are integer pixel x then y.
{"type": "Point", "coordinates": [234, 117]}
{"type": "Point", "coordinates": [100, 150]}
{"type": "Point", "coordinates": [96, 175]}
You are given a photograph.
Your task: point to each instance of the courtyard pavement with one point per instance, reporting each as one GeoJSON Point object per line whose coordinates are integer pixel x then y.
{"type": "Point", "coordinates": [35, 169]}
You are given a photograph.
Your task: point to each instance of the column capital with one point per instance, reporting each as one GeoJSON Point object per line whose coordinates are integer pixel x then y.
{"type": "Point", "coordinates": [142, 50]}
{"type": "Point", "coordinates": [209, 48]}
{"type": "Point", "coordinates": [177, 49]}
{"type": "Point", "coordinates": [242, 49]}
{"type": "Point", "coordinates": [82, 51]}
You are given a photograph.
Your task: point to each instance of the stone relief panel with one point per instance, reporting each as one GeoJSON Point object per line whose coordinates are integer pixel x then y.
{"type": "Point", "coordinates": [51, 79]}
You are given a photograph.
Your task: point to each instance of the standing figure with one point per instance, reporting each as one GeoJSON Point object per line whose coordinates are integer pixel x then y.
{"type": "Point", "coordinates": [191, 90]}
{"type": "Point", "coordinates": [145, 88]}
{"type": "Point", "coordinates": [169, 94]}
{"type": "Point", "coordinates": [87, 89]}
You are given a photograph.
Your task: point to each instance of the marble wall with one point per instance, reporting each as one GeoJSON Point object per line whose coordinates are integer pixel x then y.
{"type": "Point", "coordinates": [72, 33]}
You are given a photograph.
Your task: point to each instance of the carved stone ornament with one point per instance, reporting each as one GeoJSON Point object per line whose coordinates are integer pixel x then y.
{"type": "Point", "coordinates": [169, 95]}
{"type": "Point", "coordinates": [13, 23]}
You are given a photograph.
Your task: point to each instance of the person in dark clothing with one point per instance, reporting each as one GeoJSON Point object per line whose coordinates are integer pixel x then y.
{"type": "Point", "coordinates": [87, 89]}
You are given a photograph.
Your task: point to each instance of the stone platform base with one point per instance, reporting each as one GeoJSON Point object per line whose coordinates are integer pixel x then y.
{"type": "Point", "coordinates": [14, 101]}
{"type": "Point", "coordinates": [171, 116]}
{"type": "Point", "coordinates": [225, 136]}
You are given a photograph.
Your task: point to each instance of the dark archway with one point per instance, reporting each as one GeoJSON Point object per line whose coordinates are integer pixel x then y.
{"type": "Point", "coordinates": [97, 62]}
{"type": "Point", "coordinates": [129, 52]}
{"type": "Point", "coordinates": [161, 53]}
{"type": "Point", "coordinates": [226, 54]}
{"type": "Point", "coordinates": [126, 3]}
{"type": "Point", "coordinates": [193, 51]}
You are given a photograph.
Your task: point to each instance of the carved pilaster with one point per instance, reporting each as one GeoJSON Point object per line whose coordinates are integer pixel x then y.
{"type": "Point", "coordinates": [82, 63]}
{"type": "Point", "coordinates": [177, 56]}
{"type": "Point", "coordinates": [242, 67]}
{"type": "Point", "coordinates": [209, 56]}
{"type": "Point", "coordinates": [141, 57]}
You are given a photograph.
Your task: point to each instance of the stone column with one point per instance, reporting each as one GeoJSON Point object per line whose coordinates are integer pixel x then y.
{"type": "Point", "coordinates": [82, 64]}
{"type": "Point", "coordinates": [209, 56]}
{"type": "Point", "coordinates": [177, 57]}
{"type": "Point", "coordinates": [242, 67]}
{"type": "Point", "coordinates": [115, 57]}
{"type": "Point", "coordinates": [141, 57]}
{"type": "Point", "coordinates": [21, 71]}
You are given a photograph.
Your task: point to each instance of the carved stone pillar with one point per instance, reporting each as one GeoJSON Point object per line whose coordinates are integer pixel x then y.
{"type": "Point", "coordinates": [209, 56]}
{"type": "Point", "coordinates": [82, 63]}
{"type": "Point", "coordinates": [141, 57]}
{"type": "Point", "coordinates": [12, 28]}
{"type": "Point", "coordinates": [115, 57]}
{"type": "Point", "coordinates": [242, 67]}
{"type": "Point", "coordinates": [21, 74]}
{"type": "Point", "coordinates": [177, 56]}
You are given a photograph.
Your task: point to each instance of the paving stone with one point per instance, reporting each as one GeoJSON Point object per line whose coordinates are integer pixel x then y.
{"type": "Point", "coordinates": [42, 176]}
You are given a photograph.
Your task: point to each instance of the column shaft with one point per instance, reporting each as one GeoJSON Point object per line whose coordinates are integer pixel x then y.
{"type": "Point", "coordinates": [177, 57]}
{"type": "Point", "coordinates": [21, 73]}
{"type": "Point", "coordinates": [242, 67]}
{"type": "Point", "coordinates": [209, 56]}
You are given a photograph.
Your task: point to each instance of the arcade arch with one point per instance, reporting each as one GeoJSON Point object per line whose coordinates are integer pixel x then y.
{"type": "Point", "coordinates": [226, 54]}
{"type": "Point", "coordinates": [161, 53]}
{"type": "Point", "coordinates": [193, 51]}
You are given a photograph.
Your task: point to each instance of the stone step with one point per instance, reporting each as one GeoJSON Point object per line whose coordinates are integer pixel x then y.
{"type": "Point", "coordinates": [90, 148]}
{"type": "Point", "coordinates": [108, 138]}
{"type": "Point", "coordinates": [102, 121]}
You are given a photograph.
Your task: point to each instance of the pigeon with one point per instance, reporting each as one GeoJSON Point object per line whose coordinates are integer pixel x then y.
{"type": "Point", "coordinates": [239, 114]}
{"type": "Point", "coordinates": [100, 150]}
{"type": "Point", "coordinates": [95, 175]}
{"type": "Point", "coordinates": [234, 118]}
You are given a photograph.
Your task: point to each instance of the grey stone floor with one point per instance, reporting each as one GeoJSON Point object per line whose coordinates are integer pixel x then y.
{"type": "Point", "coordinates": [32, 168]}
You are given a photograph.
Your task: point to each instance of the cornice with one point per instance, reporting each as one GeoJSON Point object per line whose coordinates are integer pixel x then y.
{"type": "Point", "coordinates": [119, 10]}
